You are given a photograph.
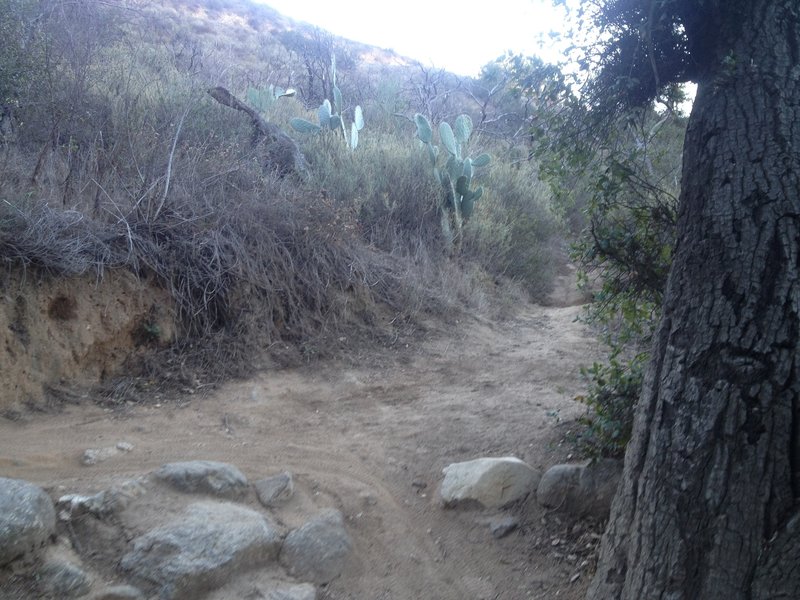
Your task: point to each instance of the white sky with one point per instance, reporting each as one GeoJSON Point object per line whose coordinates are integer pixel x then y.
{"type": "Point", "coordinates": [458, 36]}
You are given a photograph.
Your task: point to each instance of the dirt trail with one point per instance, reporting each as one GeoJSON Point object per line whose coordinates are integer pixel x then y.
{"type": "Point", "coordinates": [371, 441]}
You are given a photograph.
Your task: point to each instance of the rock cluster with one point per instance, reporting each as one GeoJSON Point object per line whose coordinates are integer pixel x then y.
{"type": "Point", "coordinates": [193, 533]}
{"type": "Point", "coordinates": [191, 530]}
{"type": "Point", "coordinates": [582, 490]}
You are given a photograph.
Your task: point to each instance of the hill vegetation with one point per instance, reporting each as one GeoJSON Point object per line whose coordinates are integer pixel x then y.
{"type": "Point", "coordinates": [207, 148]}
{"type": "Point", "coordinates": [116, 156]}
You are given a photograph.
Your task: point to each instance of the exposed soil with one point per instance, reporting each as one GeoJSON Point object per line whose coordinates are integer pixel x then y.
{"type": "Point", "coordinates": [59, 332]}
{"type": "Point", "coordinates": [372, 440]}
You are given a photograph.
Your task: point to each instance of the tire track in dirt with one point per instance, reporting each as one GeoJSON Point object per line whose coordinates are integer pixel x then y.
{"type": "Point", "coordinates": [370, 440]}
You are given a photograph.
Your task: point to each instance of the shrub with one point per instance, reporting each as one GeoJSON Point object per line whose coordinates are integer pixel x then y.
{"type": "Point", "coordinates": [386, 183]}
{"type": "Point", "coordinates": [513, 233]}
{"type": "Point", "coordinates": [124, 162]}
{"type": "Point", "coordinates": [613, 394]}
{"type": "Point", "coordinates": [614, 175]}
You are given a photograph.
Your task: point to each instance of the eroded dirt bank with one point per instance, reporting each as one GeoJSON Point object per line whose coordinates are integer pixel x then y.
{"type": "Point", "coordinates": [58, 332]}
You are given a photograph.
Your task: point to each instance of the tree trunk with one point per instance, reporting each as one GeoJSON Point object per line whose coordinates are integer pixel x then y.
{"type": "Point", "coordinates": [708, 505]}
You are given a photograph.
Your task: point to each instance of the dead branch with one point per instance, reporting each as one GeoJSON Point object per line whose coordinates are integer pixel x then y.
{"type": "Point", "coordinates": [282, 152]}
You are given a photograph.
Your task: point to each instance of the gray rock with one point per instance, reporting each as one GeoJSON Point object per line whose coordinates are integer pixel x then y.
{"type": "Point", "coordinates": [502, 526]}
{"type": "Point", "coordinates": [120, 592]}
{"type": "Point", "coordinates": [62, 579]}
{"type": "Point", "coordinates": [317, 551]}
{"type": "Point", "coordinates": [559, 485]}
{"type": "Point", "coordinates": [288, 591]}
{"type": "Point", "coordinates": [581, 489]}
{"type": "Point", "coordinates": [27, 519]}
{"type": "Point", "coordinates": [599, 482]}
{"type": "Point", "coordinates": [205, 477]}
{"type": "Point", "coordinates": [275, 490]}
{"type": "Point", "coordinates": [492, 482]}
{"type": "Point", "coordinates": [92, 456]}
{"type": "Point", "coordinates": [102, 504]}
{"type": "Point", "coordinates": [201, 549]}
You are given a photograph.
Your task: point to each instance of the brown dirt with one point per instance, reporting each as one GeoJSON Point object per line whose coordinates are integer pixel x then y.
{"type": "Point", "coordinates": [372, 440]}
{"type": "Point", "coordinates": [67, 331]}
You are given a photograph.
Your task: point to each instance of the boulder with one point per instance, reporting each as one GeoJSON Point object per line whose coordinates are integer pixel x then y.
{"type": "Point", "coordinates": [492, 482]}
{"type": "Point", "coordinates": [584, 490]}
{"type": "Point", "coordinates": [27, 519]}
{"type": "Point", "coordinates": [205, 477]}
{"type": "Point", "coordinates": [275, 490]}
{"type": "Point", "coordinates": [559, 485]}
{"type": "Point", "coordinates": [201, 549]}
{"type": "Point", "coordinates": [317, 551]}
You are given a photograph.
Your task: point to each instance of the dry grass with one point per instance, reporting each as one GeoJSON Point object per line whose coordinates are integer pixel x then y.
{"type": "Point", "coordinates": [128, 164]}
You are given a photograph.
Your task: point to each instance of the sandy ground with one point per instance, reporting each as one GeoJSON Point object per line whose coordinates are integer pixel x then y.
{"type": "Point", "coordinates": [372, 441]}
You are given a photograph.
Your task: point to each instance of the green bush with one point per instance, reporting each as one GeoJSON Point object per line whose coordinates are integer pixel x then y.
{"type": "Point", "coordinates": [514, 233]}
{"type": "Point", "coordinates": [386, 183]}
{"type": "Point", "coordinates": [615, 178]}
{"type": "Point", "coordinates": [613, 394]}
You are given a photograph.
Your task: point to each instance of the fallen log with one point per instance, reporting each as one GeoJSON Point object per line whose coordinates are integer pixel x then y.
{"type": "Point", "coordinates": [281, 152]}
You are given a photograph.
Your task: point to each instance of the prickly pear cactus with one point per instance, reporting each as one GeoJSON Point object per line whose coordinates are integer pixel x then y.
{"type": "Point", "coordinates": [330, 116]}
{"type": "Point", "coordinates": [424, 131]}
{"type": "Point", "coordinates": [455, 175]}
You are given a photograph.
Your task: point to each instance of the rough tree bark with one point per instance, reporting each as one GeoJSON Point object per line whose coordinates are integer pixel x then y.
{"type": "Point", "coordinates": [708, 505]}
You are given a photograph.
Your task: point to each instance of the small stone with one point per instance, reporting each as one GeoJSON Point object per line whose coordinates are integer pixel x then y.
{"type": "Point", "coordinates": [27, 519]}
{"type": "Point", "coordinates": [92, 456]}
{"type": "Point", "coordinates": [275, 490]}
{"type": "Point", "coordinates": [419, 484]}
{"type": "Point", "coordinates": [63, 579]}
{"type": "Point", "coordinates": [575, 577]}
{"type": "Point", "coordinates": [124, 446]}
{"type": "Point", "coordinates": [120, 592]}
{"type": "Point", "coordinates": [502, 526]}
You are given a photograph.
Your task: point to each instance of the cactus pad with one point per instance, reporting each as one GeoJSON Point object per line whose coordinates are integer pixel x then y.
{"type": "Point", "coordinates": [424, 131]}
